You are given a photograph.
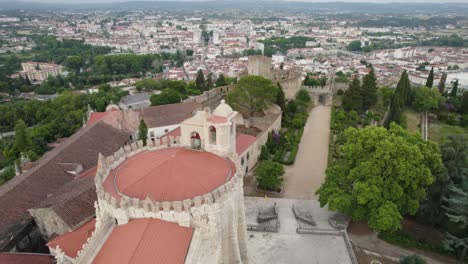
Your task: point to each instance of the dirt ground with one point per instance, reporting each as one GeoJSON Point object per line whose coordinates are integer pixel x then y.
{"type": "Point", "coordinates": [368, 247]}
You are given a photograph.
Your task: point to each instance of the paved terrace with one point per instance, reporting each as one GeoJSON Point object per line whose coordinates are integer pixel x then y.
{"type": "Point", "coordinates": [287, 246]}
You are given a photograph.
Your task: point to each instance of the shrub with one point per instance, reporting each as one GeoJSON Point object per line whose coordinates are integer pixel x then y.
{"type": "Point", "coordinates": [269, 175]}
{"type": "Point", "coordinates": [303, 96]}
{"type": "Point", "coordinates": [413, 259]}
{"type": "Point", "coordinates": [339, 92]}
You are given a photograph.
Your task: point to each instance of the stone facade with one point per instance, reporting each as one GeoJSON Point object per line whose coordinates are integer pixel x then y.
{"type": "Point", "coordinates": [217, 217]}
{"type": "Point", "coordinates": [290, 80]}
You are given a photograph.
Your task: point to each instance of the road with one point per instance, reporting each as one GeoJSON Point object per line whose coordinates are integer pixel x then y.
{"type": "Point", "coordinates": [308, 172]}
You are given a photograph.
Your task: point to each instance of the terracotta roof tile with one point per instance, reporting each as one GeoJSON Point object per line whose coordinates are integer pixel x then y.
{"type": "Point", "coordinates": [171, 174]}
{"type": "Point", "coordinates": [26, 258]}
{"type": "Point", "coordinates": [72, 242]}
{"type": "Point", "coordinates": [146, 241]}
{"type": "Point", "coordinates": [243, 142]}
{"type": "Point", "coordinates": [32, 187]}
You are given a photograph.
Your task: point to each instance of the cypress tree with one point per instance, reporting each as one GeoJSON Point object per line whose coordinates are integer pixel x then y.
{"type": "Point", "coordinates": [430, 78]}
{"type": "Point", "coordinates": [352, 99]}
{"type": "Point", "coordinates": [143, 132]}
{"type": "Point", "coordinates": [209, 81]}
{"type": "Point", "coordinates": [200, 81]}
{"type": "Point", "coordinates": [369, 90]}
{"type": "Point", "coordinates": [454, 89]}
{"type": "Point", "coordinates": [399, 100]}
{"type": "Point", "coordinates": [280, 98]}
{"type": "Point", "coordinates": [442, 81]}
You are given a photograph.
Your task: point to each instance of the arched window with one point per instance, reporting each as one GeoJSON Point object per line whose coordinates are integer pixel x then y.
{"type": "Point", "coordinates": [195, 140]}
{"type": "Point", "coordinates": [212, 130]}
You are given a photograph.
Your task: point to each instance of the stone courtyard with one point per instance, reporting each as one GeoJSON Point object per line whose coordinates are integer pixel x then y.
{"type": "Point", "coordinates": [325, 245]}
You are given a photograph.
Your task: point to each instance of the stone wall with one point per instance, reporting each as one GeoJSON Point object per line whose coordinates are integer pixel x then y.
{"type": "Point", "coordinates": [291, 85]}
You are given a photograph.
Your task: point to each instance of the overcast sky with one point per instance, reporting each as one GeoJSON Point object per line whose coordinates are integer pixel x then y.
{"type": "Point", "coordinates": [371, 1]}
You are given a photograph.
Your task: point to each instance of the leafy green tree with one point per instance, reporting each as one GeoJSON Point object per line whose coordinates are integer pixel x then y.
{"type": "Point", "coordinates": [303, 96]}
{"type": "Point", "coordinates": [454, 91]}
{"type": "Point", "coordinates": [352, 99]}
{"type": "Point", "coordinates": [430, 78]}
{"type": "Point", "coordinates": [148, 84]}
{"type": "Point", "coordinates": [252, 94]}
{"type": "Point", "coordinates": [457, 213]}
{"type": "Point", "coordinates": [427, 99]}
{"type": "Point", "coordinates": [75, 63]}
{"type": "Point", "coordinates": [399, 100]}
{"type": "Point", "coordinates": [221, 81]}
{"type": "Point", "coordinates": [454, 157]}
{"type": "Point", "coordinates": [200, 81]}
{"type": "Point", "coordinates": [369, 90]}
{"type": "Point", "coordinates": [354, 45]}
{"type": "Point", "coordinates": [381, 175]}
{"type": "Point", "coordinates": [22, 140]}
{"type": "Point", "coordinates": [269, 175]}
{"type": "Point", "coordinates": [143, 132]}
{"type": "Point", "coordinates": [168, 96]}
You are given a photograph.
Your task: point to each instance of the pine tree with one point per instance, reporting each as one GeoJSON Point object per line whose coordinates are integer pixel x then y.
{"type": "Point", "coordinates": [200, 81]}
{"type": "Point", "coordinates": [430, 78]}
{"type": "Point", "coordinates": [399, 100]}
{"type": "Point", "coordinates": [221, 81]}
{"type": "Point", "coordinates": [209, 81]}
{"type": "Point", "coordinates": [143, 132]}
{"type": "Point", "coordinates": [442, 81]}
{"type": "Point", "coordinates": [369, 90]}
{"type": "Point", "coordinates": [454, 91]}
{"type": "Point", "coordinates": [457, 213]}
{"type": "Point", "coordinates": [352, 99]}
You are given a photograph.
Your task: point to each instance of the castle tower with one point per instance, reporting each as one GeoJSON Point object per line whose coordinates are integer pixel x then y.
{"type": "Point", "coordinates": [176, 200]}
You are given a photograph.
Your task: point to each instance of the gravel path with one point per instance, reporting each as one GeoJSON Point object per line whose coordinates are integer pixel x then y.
{"type": "Point", "coordinates": [308, 172]}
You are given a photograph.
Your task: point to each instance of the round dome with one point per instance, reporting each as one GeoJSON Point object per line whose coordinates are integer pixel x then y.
{"type": "Point", "coordinates": [111, 107]}
{"type": "Point", "coordinates": [172, 174]}
{"type": "Point", "coordinates": [223, 109]}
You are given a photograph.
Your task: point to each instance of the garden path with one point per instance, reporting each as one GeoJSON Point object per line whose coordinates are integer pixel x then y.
{"type": "Point", "coordinates": [308, 172]}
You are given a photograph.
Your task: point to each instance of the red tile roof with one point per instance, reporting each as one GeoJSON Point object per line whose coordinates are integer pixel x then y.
{"type": "Point", "coordinates": [72, 242]}
{"type": "Point", "coordinates": [29, 189]}
{"type": "Point", "coordinates": [96, 116]}
{"type": "Point", "coordinates": [172, 174]}
{"type": "Point", "coordinates": [171, 114]}
{"type": "Point", "coordinates": [146, 241]}
{"type": "Point", "coordinates": [243, 142]}
{"type": "Point", "coordinates": [26, 258]}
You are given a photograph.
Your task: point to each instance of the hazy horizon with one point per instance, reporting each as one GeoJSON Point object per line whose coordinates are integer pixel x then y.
{"type": "Point", "coordinates": [312, 1]}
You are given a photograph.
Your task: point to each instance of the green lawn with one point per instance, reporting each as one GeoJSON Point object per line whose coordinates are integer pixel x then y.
{"type": "Point", "coordinates": [439, 132]}
{"type": "Point", "coordinates": [412, 120]}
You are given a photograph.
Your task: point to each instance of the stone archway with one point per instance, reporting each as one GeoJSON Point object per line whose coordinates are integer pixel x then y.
{"type": "Point", "coordinates": [212, 134]}
{"type": "Point", "coordinates": [322, 99]}
{"type": "Point", "coordinates": [195, 140]}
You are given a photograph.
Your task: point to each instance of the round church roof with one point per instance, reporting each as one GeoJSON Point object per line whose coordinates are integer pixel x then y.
{"type": "Point", "coordinates": [172, 174]}
{"type": "Point", "coordinates": [223, 109]}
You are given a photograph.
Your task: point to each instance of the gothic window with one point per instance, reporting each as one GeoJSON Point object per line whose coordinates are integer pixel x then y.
{"type": "Point", "coordinates": [248, 156]}
{"type": "Point", "coordinates": [242, 161]}
{"type": "Point", "coordinates": [212, 130]}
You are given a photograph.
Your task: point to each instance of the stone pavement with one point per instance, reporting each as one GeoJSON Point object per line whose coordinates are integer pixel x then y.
{"type": "Point", "coordinates": [287, 246]}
